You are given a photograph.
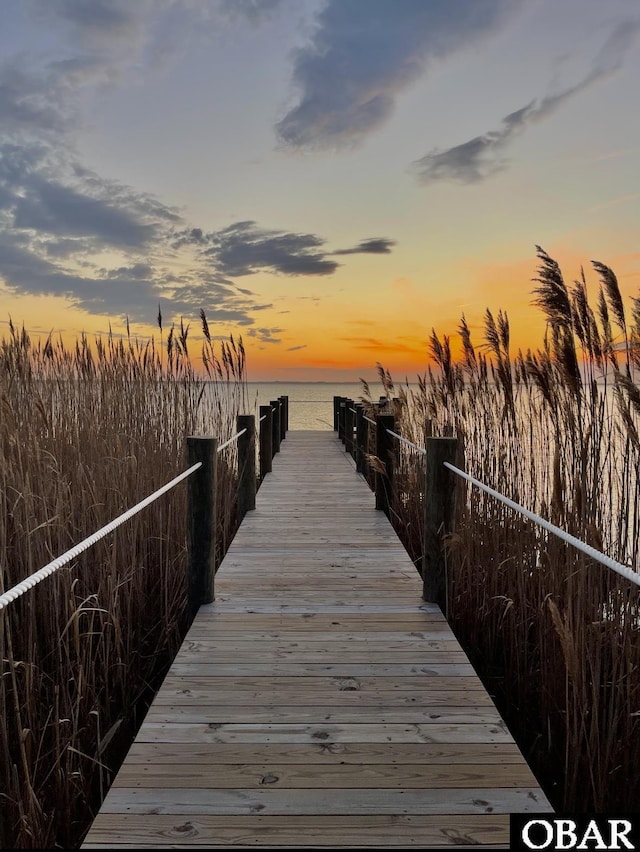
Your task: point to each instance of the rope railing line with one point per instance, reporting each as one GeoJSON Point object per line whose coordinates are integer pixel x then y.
{"type": "Point", "coordinates": [264, 417]}
{"type": "Point", "coordinates": [369, 420]}
{"type": "Point", "coordinates": [618, 567]}
{"type": "Point", "coordinates": [231, 440]}
{"type": "Point", "coordinates": [353, 409]}
{"type": "Point", "coordinates": [407, 441]}
{"type": "Point", "coordinates": [22, 587]}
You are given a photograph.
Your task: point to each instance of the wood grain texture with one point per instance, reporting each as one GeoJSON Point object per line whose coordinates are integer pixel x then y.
{"type": "Point", "coordinates": [319, 701]}
{"type": "Point", "coordinates": [383, 831]}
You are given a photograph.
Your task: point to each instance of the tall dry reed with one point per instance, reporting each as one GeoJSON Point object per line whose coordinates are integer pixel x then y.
{"type": "Point", "coordinates": [87, 431]}
{"type": "Point", "coordinates": [553, 633]}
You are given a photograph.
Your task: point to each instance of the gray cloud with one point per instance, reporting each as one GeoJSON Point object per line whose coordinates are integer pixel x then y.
{"type": "Point", "coordinates": [482, 156]}
{"type": "Point", "coordinates": [296, 348]}
{"type": "Point", "coordinates": [70, 209]}
{"type": "Point", "coordinates": [254, 11]}
{"type": "Point", "coordinates": [35, 99]}
{"type": "Point", "coordinates": [102, 26]}
{"type": "Point", "coordinates": [56, 209]}
{"type": "Point", "coordinates": [244, 248]}
{"type": "Point", "coordinates": [374, 245]}
{"type": "Point", "coordinates": [265, 335]}
{"type": "Point", "coordinates": [134, 291]}
{"type": "Point", "coordinates": [363, 55]}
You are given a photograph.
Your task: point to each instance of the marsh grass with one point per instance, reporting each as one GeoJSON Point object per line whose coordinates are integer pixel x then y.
{"type": "Point", "coordinates": [553, 634]}
{"type": "Point", "coordinates": [86, 432]}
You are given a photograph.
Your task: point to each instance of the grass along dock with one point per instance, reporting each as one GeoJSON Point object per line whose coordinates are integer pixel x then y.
{"type": "Point", "coordinates": [318, 701]}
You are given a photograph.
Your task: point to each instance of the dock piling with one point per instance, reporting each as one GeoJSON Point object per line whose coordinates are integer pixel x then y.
{"type": "Point", "coordinates": [201, 521]}
{"type": "Point", "coordinates": [439, 504]}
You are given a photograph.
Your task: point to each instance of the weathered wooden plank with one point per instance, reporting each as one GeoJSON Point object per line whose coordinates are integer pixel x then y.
{"type": "Point", "coordinates": [381, 621]}
{"type": "Point", "coordinates": [314, 655]}
{"type": "Point", "coordinates": [195, 754]}
{"type": "Point", "coordinates": [319, 714]}
{"type": "Point", "coordinates": [204, 668]}
{"type": "Point", "coordinates": [414, 831]}
{"type": "Point", "coordinates": [252, 633]}
{"type": "Point", "coordinates": [270, 606]}
{"type": "Point", "coordinates": [277, 647]}
{"type": "Point", "coordinates": [405, 776]}
{"type": "Point", "coordinates": [292, 689]}
{"type": "Point", "coordinates": [480, 800]}
{"type": "Point", "coordinates": [220, 697]}
{"type": "Point", "coordinates": [184, 732]}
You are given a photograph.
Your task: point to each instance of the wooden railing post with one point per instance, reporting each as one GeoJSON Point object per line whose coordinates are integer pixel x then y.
{"type": "Point", "coordinates": [439, 506]}
{"type": "Point", "coordinates": [336, 412]}
{"type": "Point", "coordinates": [361, 431]}
{"type": "Point", "coordinates": [366, 460]}
{"type": "Point", "coordinates": [385, 452]}
{"type": "Point", "coordinates": [266, 437]}
{"type": "Point", "coordinates": [341, 418]}
{"type": "Point", "coordinates": [348, 425]}
{"type": "Point", "coordinates": [285, 408]}
{"type": "Point", "coordinates": [275, 424]}
{"type": "Point", "coordinates": [283, 417]}
{"type": "Point", "coordinates": [201, 522]}
{"type": "Point", "coordinates": [246, 465]}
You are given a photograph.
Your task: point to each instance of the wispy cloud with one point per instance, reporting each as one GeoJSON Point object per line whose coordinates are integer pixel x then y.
{"type": "Point", "coordinates": [266, 335]}
{"type": "Point", "coordinates": [362, 55]}
{"type": "Point", "coordinates": [479, 158]}
{"type": "Point", "coordinates": [374, 245]}
{"type": "Point", "coordinates": [374, 344]}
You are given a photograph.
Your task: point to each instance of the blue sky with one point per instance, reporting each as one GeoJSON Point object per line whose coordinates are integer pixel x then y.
{"type": "Point", "coordinates": [328, 179]}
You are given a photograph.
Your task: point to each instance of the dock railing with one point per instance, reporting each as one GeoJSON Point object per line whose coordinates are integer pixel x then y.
{"type": "Point", "coordinates": [202, 497]}
{"type": "Point", "coordinates": [443, 470]}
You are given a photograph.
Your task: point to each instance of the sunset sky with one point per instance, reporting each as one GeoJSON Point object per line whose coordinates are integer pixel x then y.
{"type": "Point", "coordinates": [329, 180]}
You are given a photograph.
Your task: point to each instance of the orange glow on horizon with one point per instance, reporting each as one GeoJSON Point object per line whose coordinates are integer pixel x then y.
{"type": "Point", "coordinates": [341, 338]}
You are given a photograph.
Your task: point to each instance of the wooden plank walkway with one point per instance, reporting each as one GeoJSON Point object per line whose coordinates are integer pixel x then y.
{"type": "Point", "coordinates": [318, 701]}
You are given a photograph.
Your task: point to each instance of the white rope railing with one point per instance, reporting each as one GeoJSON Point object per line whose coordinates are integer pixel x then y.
{"type": "Point", "coordinates": [353, 410]}
{"type": "Point", "coordinates": [231, 440]}
{"type": "Point", "coordinates": [407, 441]}
{"type": "Point", "coordinates": [61, 561]}
{"type": "Point", "coordinates": [618, 567]}
{"type": "Point", "coordinates": [369, 420]}
{"type": "Point", "coordinates": [264, 417]}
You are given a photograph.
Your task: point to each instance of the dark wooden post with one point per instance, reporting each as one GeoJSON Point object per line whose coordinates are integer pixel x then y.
{"type": "Point", "coordinates": [361, 431]}
{"type": "Point", "coordinates": [336, 411]}
{"type": "Point", "coordinates": [201, 522]}
{"type": "Point", "coordinates": [439, 505]}
{"type": "Point", "coordinates": [275, 427]}
{"type": "Point", "coordinates": [285, 399]}
{"type": "Point", "coordinates": [366, 462]}
{"type": "Point", "coordinates": [348, 425]}
{"type": "Point", "coordinates": [246, 465]}
{"type": "Point", "coordinates": [385, 452]}
{"type": "Point", "coordinates": [341, 418]}
{"type": "Point", "coordinates": [266, 435]}
{"type": "Point", "coordinates": [283, 418]}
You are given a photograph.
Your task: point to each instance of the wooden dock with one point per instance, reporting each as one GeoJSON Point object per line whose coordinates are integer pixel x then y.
{"type": "Point", "coordinates": [319, 701]}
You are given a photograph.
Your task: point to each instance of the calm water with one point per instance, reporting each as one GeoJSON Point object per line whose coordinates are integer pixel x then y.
{"type": "Point", "coordinates": [310, 403]}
